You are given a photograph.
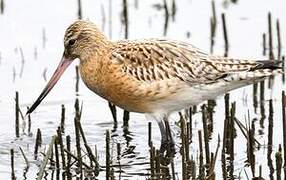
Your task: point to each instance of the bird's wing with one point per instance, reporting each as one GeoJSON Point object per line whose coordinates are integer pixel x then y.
{"type": "Point", "coordinates": [157, 59]}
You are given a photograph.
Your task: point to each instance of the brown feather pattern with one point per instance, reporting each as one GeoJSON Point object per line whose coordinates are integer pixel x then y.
{"type": "Point", "coordinates": [157, 59]}
{"type": "Point", "coordinates": [153, 75]}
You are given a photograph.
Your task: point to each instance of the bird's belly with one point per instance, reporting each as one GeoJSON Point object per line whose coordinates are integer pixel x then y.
{"type": "Point", "coordinates": [188, 96]}
{"type": "Point", "coordinates": [183, 98]}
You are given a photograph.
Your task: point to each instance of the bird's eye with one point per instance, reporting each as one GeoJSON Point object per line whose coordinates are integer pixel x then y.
{"type": "Point", "coordinates": [71, 42]}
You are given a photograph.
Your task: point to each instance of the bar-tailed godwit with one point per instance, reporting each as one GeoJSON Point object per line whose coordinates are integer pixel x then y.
{"type": "Point", "coordinates": [152, 76]}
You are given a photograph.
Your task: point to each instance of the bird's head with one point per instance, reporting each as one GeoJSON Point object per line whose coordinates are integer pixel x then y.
{"type": "Point", "coordinates": [82, 39]}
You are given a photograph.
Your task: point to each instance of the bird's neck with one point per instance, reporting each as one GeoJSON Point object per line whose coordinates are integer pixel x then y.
{"type": "Point", "coordinates": [94, 64]}
{"type": "Point", "coordinates": [94, 46]}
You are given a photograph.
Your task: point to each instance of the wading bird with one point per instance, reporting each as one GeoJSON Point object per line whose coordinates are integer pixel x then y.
{"type": "Point", "coordinates": [152, 76]}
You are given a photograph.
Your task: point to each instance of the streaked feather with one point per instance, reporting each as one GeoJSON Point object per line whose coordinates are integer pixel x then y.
{"type": "Point", "coordinates": [157, 59]}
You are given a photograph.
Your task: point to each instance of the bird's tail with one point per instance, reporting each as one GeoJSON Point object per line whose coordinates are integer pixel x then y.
{"type": "Point", "coordinates": [262, 70]}
{"type": "Point", "coordinates": [267, 64]}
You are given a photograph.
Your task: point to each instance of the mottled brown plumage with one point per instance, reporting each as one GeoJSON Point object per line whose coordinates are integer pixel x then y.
{"type": "Point", "coordinates": [145, 75]}
{"type": "Point", "coordinates": [152, 76]}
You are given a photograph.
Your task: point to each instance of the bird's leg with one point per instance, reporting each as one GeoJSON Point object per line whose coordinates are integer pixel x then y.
{"type": "Point", "coordinates": [164, 138]}
{"type": "Point", "coordinates": [170, 140]}
{"type": "Point", "coordinates": [167, 142]}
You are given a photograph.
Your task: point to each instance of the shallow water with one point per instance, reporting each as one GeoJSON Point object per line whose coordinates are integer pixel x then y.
{"type": "Point", "coordinates": [36, 29]}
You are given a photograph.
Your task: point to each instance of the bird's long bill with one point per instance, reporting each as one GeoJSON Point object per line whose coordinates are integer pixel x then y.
{"type": "Point", "coordinates": [65, 62]}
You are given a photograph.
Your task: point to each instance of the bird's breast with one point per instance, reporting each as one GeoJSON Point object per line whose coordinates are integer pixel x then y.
{"type": "Point", "coordinates": [113, 85]}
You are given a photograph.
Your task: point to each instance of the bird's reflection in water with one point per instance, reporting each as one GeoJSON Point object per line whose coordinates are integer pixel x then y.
{"type": "Point", "coordinates": [126, 154]}
{"type": "Point", "coordinates": [128, 136]}
{"type": "Point", "coordinates": [125, 141]}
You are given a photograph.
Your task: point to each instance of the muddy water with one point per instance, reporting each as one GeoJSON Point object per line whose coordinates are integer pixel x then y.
{"type": "Point", "coordinates": [31, 47]}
